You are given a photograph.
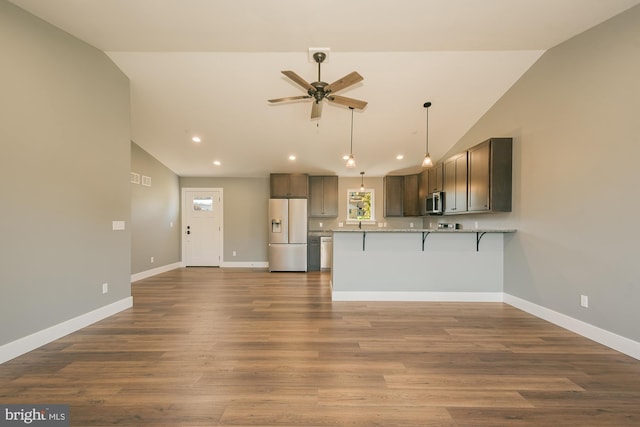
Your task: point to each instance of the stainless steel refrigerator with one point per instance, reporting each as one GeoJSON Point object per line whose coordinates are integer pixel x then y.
{"type": "Point", "coordinates": [287, 234]}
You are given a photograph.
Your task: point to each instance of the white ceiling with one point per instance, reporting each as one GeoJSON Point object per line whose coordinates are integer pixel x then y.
{"type": "Point", "coordinates": [208, 67]}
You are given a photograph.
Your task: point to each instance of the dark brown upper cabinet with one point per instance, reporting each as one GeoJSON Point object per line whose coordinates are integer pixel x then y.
{"type": "Point", "coordinates": [410, 205]}
{"type": "Point", "coordinates": [323, 196]}
{"type": "Point", "coordinates": [289, 186]}
{"type": "Point", "coordinates": [455, 184]}
{"type": "Point", "coordinates": [436, 178]}
{"type": "Point", "coordinates": [393, 193]}
{"type": "Point", "coordinates": [490, 169]}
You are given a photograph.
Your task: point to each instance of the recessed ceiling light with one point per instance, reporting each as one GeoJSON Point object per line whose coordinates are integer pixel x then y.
{"type": "Point", "coordinates": [196, 139]}
{"type": "Point", "coordinates": [399, 157]}
{"type": "Point", "coordinates": [292, 157]}
{"type": "Point", "coordinates": [217, 162]}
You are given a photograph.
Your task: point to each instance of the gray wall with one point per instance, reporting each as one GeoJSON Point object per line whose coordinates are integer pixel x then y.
{"type": "Point", "coordinates": [155, 214]}
{"type": "Point", "coordinates": [575, 119]}
{"type": "Point", "coordinates": [245, 211]}
{"type": "Point", "coordinates": [64, 174]}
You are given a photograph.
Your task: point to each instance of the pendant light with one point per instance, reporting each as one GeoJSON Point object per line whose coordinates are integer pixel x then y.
{"type": "Point", "coordinates": [427, 162]}
{"type": "Point", "coordinates": [351, 162]}
{"type": "Point", "coordinates": [362, 181]}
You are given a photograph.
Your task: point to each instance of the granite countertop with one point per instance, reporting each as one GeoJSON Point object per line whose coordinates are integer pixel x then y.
{"type": "Point", "coordinates": [320, 233]}
{"type": "Point", "coordinates": [424, 230]}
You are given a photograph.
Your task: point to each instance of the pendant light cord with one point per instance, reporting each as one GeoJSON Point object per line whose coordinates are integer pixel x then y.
{"type": "Point", "coordinates": [427, 105]}
{"type": "Point", "coordinates": [351, 150]}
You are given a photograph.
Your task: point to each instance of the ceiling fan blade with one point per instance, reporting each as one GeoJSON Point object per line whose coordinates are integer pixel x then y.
{"type": "Point", "coordinates": [299, 80]}
{"type": "Point", "coordinates": [349, 102]}
{"type": "Point", "coordinates": [316, 110]}
{"type": "Point", "coordinates": [346, 81]}
{"type": "Point", "coordinates": [290, 98]}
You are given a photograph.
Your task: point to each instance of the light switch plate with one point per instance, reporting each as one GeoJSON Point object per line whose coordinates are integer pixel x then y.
{"type": "Point", "coordinates": [117, 225]}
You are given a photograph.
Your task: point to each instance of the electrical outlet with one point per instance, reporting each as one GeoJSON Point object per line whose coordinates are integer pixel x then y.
{"type": "Point", "coordinates": [105, 288]}
{"type": "Point", "coordinates": [476, 224]}
{"type": "Point", "coordinates": [151, 259]}
{"type": "Point", "coordinates": [411, 225]}
{"type": "Point", "coordinates": [320, 225]}
{"type": "Point", "coordinates": [234, 253]}
{"type": "Point", "coordinates": [584, 301]}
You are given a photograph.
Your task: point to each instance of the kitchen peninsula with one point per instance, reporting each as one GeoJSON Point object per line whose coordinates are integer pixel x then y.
{"type": "Point", "coordinates": [418, 264]}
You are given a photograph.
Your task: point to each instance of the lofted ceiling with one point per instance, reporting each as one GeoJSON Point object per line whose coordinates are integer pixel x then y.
{"type": "Point", "coordinates": [207, 68]}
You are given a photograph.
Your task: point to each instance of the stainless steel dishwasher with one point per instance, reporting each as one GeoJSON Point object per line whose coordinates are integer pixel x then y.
{"type": "Point", "coordinates": [326, 252]}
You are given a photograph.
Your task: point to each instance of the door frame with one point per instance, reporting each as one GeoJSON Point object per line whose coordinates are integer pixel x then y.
{"type": "Point", "coordinates": [183, 192]}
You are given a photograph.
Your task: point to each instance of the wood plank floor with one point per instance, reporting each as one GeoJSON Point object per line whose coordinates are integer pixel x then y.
{"type": "Point", "coordinates": [207, 347]}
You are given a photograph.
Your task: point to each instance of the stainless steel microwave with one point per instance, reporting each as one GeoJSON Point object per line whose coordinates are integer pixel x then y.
{"type": "Point", "coordinates": [434, 203]}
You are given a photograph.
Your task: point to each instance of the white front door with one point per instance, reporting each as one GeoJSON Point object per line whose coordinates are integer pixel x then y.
{"type": "Point", "coordinates": [201, 227]}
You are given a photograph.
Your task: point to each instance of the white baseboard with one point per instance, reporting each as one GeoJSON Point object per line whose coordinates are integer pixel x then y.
{"type": "Point", "coordinates": [154, 271]}
{"type": "Point", "coordinates": [31, 342]}
{"type": "Point", "coordinates": [244, 264]}
{"type": "Point", "coordinates": [417, 296]}
{"type": "Point", "coordinates": [594, 333]}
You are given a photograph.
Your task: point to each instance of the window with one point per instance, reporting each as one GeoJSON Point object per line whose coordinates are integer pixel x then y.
{"type": "Point", "coordinates": [360, 205]}
{"type": "Point", "coordinates": [202, 204]}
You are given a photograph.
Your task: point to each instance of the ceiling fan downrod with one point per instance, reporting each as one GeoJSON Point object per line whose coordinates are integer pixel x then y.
{"type": "Point", "coordinates": [319, 57]}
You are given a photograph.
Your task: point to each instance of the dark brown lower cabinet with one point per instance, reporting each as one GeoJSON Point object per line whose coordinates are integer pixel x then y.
{"type": "Point", "coordinates": [313, 253]}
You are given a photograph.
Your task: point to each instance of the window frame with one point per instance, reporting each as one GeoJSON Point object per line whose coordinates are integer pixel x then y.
{"type": "Point", "coordinates": [372, 205]}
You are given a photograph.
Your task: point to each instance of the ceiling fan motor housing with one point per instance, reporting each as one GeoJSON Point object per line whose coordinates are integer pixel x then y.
{"type": "Point", "coordinates": [319, 93]}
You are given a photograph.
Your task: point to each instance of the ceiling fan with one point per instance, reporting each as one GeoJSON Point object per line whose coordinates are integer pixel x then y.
{"type": "Point", "coordinates": [320, 90]}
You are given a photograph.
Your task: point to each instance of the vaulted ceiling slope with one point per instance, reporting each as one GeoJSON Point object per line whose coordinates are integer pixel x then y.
{"type": "Point", "coordinates": [207, 68]}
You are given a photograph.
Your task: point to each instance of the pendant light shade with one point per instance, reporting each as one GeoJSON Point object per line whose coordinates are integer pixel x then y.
{"type": "Point", "coordinates": [427, 162]}
{"type": "Point", "coordinates": [351, 161]}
